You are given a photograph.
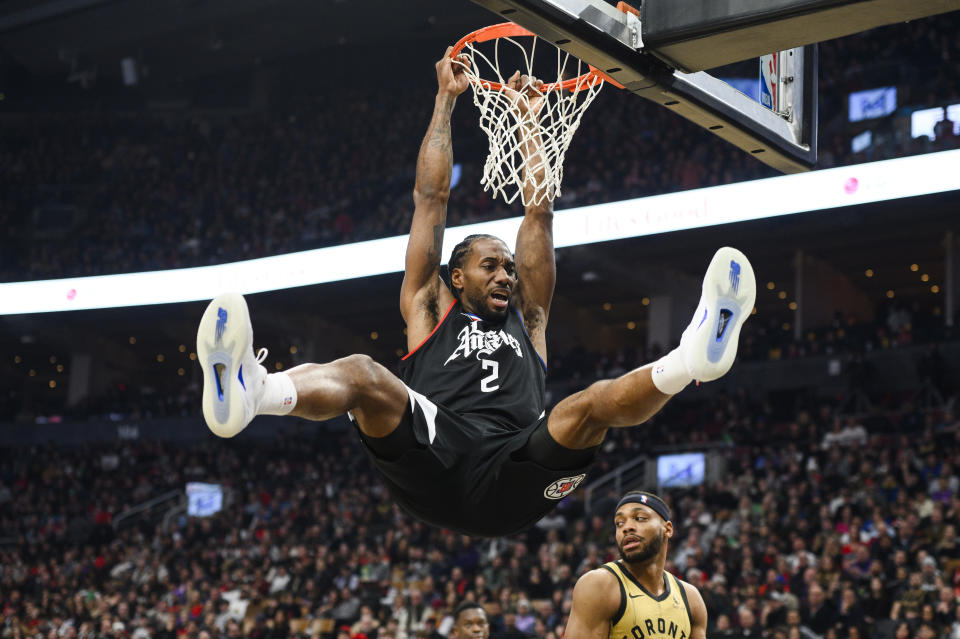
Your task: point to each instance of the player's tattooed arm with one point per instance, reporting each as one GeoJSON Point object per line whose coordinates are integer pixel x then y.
{"type": "Point", "coordinates": [537, 272]}
{"type": "Point", "coordinates": [430, 302]}
{"type": "Point", "coordinates": [421, 293]}
{"type": "Point", "coordinates": [536, 265]}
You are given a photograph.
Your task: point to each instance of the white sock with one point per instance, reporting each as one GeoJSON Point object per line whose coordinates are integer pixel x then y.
{"type": "Point", "coordinates": [669, 373]}
{"type": "Point", "coordinates": [279, 395]}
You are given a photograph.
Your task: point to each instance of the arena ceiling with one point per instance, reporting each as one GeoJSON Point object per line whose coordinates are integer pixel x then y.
{"type": "Point", "coordinates": [197, 37]}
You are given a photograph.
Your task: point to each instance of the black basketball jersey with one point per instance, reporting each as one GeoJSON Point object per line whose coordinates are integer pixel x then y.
{"type": "Point", "coordinates": [480, 369]}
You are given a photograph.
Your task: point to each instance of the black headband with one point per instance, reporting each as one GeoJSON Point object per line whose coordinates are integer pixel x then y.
{"type": "Point", "coordinates": [647, 499]}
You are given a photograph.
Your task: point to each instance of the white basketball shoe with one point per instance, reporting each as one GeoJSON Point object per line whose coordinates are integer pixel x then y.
{"type": "Point", "coordinates": [709, 343]}
{"type": "Point", "coordinates": [233, 377]}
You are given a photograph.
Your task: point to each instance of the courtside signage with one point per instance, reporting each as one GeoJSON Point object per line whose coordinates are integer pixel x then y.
{"type": "Point", "coordinates": [741, 202]}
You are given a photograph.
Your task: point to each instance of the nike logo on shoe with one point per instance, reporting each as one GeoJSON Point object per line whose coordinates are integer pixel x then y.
{"type": "Point", "coordinates": [702, 319]}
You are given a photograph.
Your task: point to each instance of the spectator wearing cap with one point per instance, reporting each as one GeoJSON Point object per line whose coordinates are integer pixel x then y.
{"type": "Point", "coordinates": [930, 577]}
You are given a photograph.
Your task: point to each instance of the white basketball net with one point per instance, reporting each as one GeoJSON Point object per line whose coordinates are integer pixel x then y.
{"type": "Point", "coordinates": [512, 135]}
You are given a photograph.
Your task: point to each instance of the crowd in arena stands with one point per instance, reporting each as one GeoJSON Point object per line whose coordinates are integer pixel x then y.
{"type": "Point", "coordinates": [107, 192]}
{"type": "Point", "coordinates": [894, 326]}
{"type": "Point", "coordinates": [844, 340]}
{"type": "Point", "coordinates": [818, 527]}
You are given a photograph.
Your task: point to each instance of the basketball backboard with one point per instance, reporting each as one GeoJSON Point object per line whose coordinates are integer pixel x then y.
{"type": "Point", "coordinates": [661, 50]}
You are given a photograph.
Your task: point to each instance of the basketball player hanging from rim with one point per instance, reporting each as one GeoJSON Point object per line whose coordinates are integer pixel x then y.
{"type": "Point", "coordinates": [461, 438]}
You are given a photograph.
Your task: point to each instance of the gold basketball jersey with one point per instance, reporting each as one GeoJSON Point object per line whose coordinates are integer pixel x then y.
{"type": "Point", "coordinates": [644, 616]}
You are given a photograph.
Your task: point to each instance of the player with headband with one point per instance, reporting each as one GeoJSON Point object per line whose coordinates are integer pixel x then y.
{"type": "Point", "coordinates": [635, 596]}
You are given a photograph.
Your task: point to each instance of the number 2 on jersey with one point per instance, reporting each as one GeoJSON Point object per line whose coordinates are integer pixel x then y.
{"type": "Point", "coordinates": [489, 383]}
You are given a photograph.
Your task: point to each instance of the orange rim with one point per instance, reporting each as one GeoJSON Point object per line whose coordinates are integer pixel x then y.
{"type": "Point", "coordinates": [509, 29]}
{"type": "Point", "coordinates": [626, 8]}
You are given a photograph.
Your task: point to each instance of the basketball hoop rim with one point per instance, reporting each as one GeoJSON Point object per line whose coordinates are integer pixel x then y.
{"type": "Point", "coordinates": [510, 29]}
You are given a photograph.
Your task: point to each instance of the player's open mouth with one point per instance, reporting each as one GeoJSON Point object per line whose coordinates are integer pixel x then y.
{"type": "Point", "coordinates": [500, 299]}
{"type": "Point", "coordinates": [631, 544]}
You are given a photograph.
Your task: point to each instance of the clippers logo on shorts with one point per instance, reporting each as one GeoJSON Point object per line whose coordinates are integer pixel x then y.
{"type": "Point", "coordinates": [563, 487]}
{"type": "Point", "coordinates": [483, 343]}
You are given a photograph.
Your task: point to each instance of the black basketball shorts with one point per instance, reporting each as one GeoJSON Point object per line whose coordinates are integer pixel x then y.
{"type": "Point", "coordinates": [469, 475]}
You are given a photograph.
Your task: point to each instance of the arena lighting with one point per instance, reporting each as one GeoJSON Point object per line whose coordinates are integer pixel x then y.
{"type": "Point", "coordinates": [744, 201]}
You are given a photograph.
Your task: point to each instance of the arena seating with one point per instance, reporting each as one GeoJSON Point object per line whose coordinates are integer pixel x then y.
{"type": "Point", "coordinates": [110, 192]}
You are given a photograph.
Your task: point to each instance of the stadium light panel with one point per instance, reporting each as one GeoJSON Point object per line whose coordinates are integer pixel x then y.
{"type": "Point", "coordinates": [698, 208]}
